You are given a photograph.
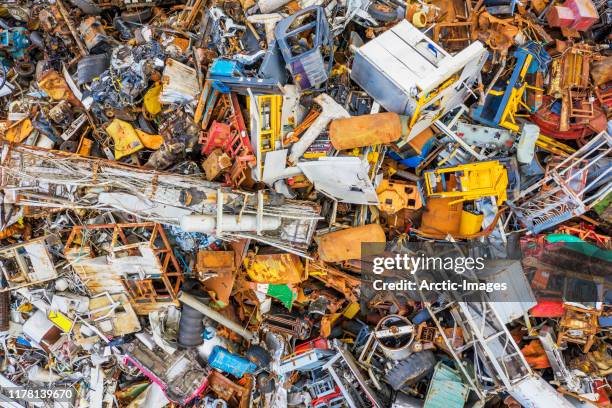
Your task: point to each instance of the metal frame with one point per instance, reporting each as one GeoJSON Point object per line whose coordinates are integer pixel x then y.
{"type": "Point", "coordinates": [12, 252]}
{"type": "Point", "coordinates": [140, 291]}
{"type": "Point", "coordinates": [553, 199]}
{"type": "Point", "coordinates": [339, 366]}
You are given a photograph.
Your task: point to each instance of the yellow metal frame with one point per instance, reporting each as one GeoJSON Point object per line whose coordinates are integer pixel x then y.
{"type": "Point", "coordinates": [425, 99]}
{"type": "Point", "coordinates": [516, 100]}
{"type": "Point", "coordinates": [553, 146]}
{"type": "Point", "coordinates": [269, 109]}
{"type": "Point", "coordinates": [508, 119]}
{"type": "Point", "coordinates": [474, 181]}
{"type": "Point", "coordinates": [370, 153]}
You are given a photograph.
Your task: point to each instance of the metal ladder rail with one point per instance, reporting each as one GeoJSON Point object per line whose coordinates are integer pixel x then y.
{"type": "Point", "coordinates": [501, 368]}
{"type": "Point", "coordinates": [473, 382]}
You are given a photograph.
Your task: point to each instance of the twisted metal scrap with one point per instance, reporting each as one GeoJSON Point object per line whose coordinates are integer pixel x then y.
{"type": "Point", "coordinates": [52, 179]}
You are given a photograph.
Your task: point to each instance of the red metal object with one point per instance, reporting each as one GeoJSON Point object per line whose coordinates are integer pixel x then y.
{"type": "Point", "coordinates": [585, 14]}
{"type": "Point", "coordinates": [604, 94]}
{"type": "Point", "coordinates": [216, 137]}
{"type": "Point", "coordinates": [551, 308]}
{"type": "Point", "coordinates": [228, 132]}
{"type": "Point", "coordinates": [560, 16]}
{"type": "Point", "coordinates": [548, 121]}
{"type": "Point", "coordinates": [318, 343]}
{"type": "Point", "coordinates": [329, 401]}
{"type": "Point", "coordinates": [535, 246]}
{"type": "Point", "coordinates": [577, 15]}
{"type": "Point", "coordinates": [602, 388]}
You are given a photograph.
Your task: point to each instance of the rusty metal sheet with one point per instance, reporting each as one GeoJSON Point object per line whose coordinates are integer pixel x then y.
{"type": "Point", "coordinates": [346, 244]}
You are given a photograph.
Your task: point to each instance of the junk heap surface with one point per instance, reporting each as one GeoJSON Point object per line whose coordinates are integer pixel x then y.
{"type": "Point", "coordinates": [217, 203]}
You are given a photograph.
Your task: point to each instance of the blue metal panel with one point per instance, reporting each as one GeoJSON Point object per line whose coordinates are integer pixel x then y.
{"type": "Point", "coordinates": [227, 362]}
{"type": "Point", "coordinates": [446, 389]}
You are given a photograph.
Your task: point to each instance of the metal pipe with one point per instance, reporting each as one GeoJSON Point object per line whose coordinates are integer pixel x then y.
{"type": "Point", "coordinates": [5, 303]}
{"type": "Point", "coordinates": [209, 224]}
{"type": "Point", "coordinates": [195, 303]}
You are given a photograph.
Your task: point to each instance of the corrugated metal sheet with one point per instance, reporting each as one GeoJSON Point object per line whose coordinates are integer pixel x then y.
{"type": "Point", "coordinates": [446, 389]}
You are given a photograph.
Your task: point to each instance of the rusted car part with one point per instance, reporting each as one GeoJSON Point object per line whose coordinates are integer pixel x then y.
{"type": "Point", "coordinates": [346, 244]}
{"type": "Point", "coordinates": [334, 278]}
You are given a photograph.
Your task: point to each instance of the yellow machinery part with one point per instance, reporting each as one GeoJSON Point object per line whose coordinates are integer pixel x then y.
{"type": "Point", "coordinates": [152, 142]}
{"type": "Point", "coordinates": [275, 268]}
{"type": "Point", "coordinates": [19, 131]}
{"type": "Point", "coordinates": [129, 140]}
{"type": "Point", "coordinates": [470, 223]}
{"type": "Point", "coordinates": [85, 146]}
{"type": "Point", "coordinates": [394, 196]}
{"type": "Point", "coordinates": [61, 321]}
{"type": "Point", "coordinates": [269, 110]}
{"type": "Point", "coordinates": [474, 181]}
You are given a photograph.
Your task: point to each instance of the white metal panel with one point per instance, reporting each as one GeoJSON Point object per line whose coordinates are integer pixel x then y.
{"type": "Point", "coordinates": [534, 392]}
{"type": "Point", "coordinates": [41, 262]}
{"type": "Point", "coordinates": [412, 35]}
{"type": "Point", "coordinates": [408, 56]}
{"type": "Point", "coordinates": [392, 68]}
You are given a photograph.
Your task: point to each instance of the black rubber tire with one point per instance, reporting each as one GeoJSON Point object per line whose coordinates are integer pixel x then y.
{"type": "Point", "coordinates": [191, 327]}
{"type": "Point", "coordinates": [259, 356]}
{"type": "Point", "coordinates": [91, 66]}
{"type": "Point", "coordinates": [191, 312]}
{"type": "Point", "coordinates": [411, 370]}
{"type": "Point", "coordinates": [381, 15]}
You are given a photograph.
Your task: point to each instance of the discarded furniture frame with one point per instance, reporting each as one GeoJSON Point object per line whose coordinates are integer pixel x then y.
{"type": "Point", "coordinates": [148, 286]}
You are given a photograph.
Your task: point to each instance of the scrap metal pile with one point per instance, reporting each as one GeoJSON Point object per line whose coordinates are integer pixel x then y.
{"type": "Point", "coordinates": [189, 188]}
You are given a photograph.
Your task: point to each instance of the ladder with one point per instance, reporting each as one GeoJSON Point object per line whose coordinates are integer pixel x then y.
{"type": "Point", "coordinates": [485, 333]}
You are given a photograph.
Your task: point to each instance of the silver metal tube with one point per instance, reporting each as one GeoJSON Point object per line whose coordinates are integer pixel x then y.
{"type": "Point", "coordinates": [216, 316]}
